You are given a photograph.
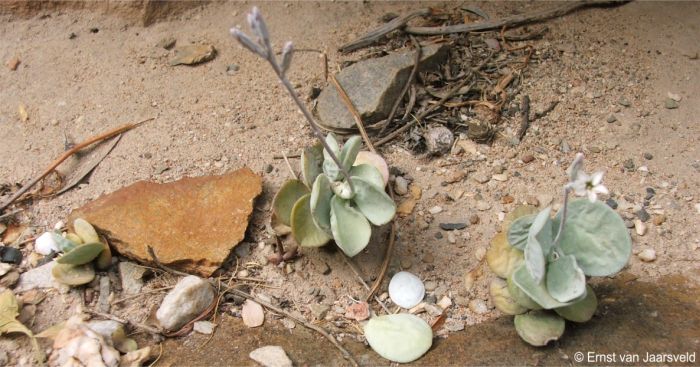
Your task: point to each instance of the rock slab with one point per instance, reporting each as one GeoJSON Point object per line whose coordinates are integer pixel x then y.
{"type": "Point", "coordinates": [271, 356]}
{"type": "Point", "coordinates": [190, 297]}
{"type": "Point", "coordinates": [373, 86]}
{"type": "Point", "coordinates": [191, 224]}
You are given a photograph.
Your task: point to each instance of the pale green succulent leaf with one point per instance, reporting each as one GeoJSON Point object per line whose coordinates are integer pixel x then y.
{"type": "Point", "coordinates": [285, 199]}
{"type": "Point", "coordinates": [63, 244]}
{"type": "Point", "coordinates": [565, 280]}
{"type": "Point", "coordinates": [320, 202]}
{"type": "Point", "coordinates": [519, 231]}
{"type": "Point", "coordinates": [519, 211]}
{"type": "Point", "coordinates": [349, 152]}
{"type": "Point", "coordinates": [582, 310]}
{"type": "Point", "coordinates": [329, 167]}
{"type": "Point", "coordinates": [311, 163]}
{"type": "Point", "coordinates": [521, 297]}
{"type": "Point", "coordinates": [73, 274]}
{"type": "Point", "coordinates": [85, 231]}
{"type": "Point", "coordinates": [373, 202]}
{"type": "Point", "coordinates": [537, 291]}
{"type": "Point", "coordinates": [368, 173]}
{"type": "Point", "coordinates": [82, 254]}
{"type": "Point", "coordinates": [351, 230]}
{"type": "Point", "coordinates": [399, 337]}
{"type": "Point", "coordinates": [304, 230]}
{"type": "Point", "coordinates": [538, 328]}
{"type": "Point", "coordinates": [596, 236]}
{"type": "Point", "coordinates": [539, 244]}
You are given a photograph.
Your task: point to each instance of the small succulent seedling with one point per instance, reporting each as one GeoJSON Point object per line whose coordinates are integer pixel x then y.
{"type": "Point", "coordinates": [545, 260]}
{"type": "Point", "coordinates": [338, 196]}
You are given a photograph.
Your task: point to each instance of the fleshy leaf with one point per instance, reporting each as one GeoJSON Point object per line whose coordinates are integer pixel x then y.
{"type": "Point", "coordinates": [329, 167]}
{"type": "Point", "coordinates": [582, 310]}
{"type": "Point", "coordinates": [9, 309]}
{"type": "Point", "coordinates": [502, 258]}
{"type": "Point", "coordinates": [64, 244]}
{"type": "Point", "coordinates": [342, 189]}
{"type": "Point", "coordinates": [350, 228]}
{"type": "Point", "coordinates": [519, 211]}
{"type": "Point", "coordinates": [521, 297]}
{"type": "Point", "coordinates": [320, 202]}
{"type": "Point", "coordinates": [565, 280]}
{"type": "Point", "coordinates": [104, 260]}
{"type": "Point", "coordinates": [399, 337]}
{"type": "Point", "coordinates": [374, 160]}
{"type": "Point", "coordinates": [73, 274]}
{"type": "Point", "coordinates": [311, 163]}
{"type": "Point", "coordinates": [304, 230]}
{"type": "Point", "coordinates": [82, 254]}
{"type": "Point", "coordinates": [537, 291]}
{"type": "Point", "coordinates": [519, 230]}
{"type": "Point", "coordinates": [538, 328]}
{"type": "Point", "coordinates": [368, 173]}
{"type": "Point", "coordinates": [85, 231]}
{"type": "Point", "coordinates": [285, 199]}
{"type": "Point", "coordinates": [539, 244]}
{"type": "Point", "coordinates": [596, 236]}
{"type": "Point", "coordinates": [349, 152]}
{"type": "Point", "coordinates": [501, 298]}
{"type": "Point", "coordinates": [374, 203]}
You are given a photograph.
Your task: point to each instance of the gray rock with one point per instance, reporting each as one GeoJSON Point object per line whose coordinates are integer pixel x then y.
{"type": "Point", "coordinates": [132, 277]}
{"type": "Point", "coordinates": [438, 140]}
{"type": "Point", "coordinates": [611, 119]}
{"type": "Point", "coordinates": [271, 356]}
{"type": "Point", "coordinates": [36, 278]}
{"type": "Point", "coordinates": [401, 186]}
{"type": "Point", "coordinates": [671, 104]}
{"type": "Point", "coordinates": [103, 300]}
{"type": "Point", "coordinates": [189, 298]}
{"type": "Point", "coordinates": [319, 310]}
{"type": "Point", "coordinates": [373, 86]}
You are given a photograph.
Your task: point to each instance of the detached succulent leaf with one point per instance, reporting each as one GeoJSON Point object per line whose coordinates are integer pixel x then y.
{"type": "Point", "coordinates": [537, 291]}
{"type": "Point", "coordinates": [374, 203]}
{"type": "Point", "coordinates": [311, 163]}
{"type": "Point", "coordinates": [320, 202]}
{"type": "Point", "coordinates": [519, 231]}
{"type": "Point", "coordinates": [304, 230]}
{"type": "Point", "coordinates": [285, 199]}
{"type": "Point", "coordinates": [596, 236]}
{"type": "Point", "coordinates": [582, 310]}
{"type": "Point", "coordinates": [565, 280]}
{"type": "Point", "coordinates": [538, 328]}
{"type": "Point", "coordinates": [399, 337]}
{"type": "Point", "coordinates": [350, 228]}
{"type": "Point", "coordinates": [368, 173]}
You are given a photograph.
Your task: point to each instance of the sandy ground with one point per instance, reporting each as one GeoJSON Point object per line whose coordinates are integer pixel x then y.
{"type": "Point", "coordinates": [209, 121]}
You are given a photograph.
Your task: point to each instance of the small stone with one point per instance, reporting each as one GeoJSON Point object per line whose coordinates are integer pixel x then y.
{"type": "Point", "coordinates": [527, 158]}
{"type": "Point", "coordinates": [438, 140]}
{"type": "Point", "coordinates": [670, 104]}
{"type": "Point", "coordinates": [430, 285]}
{"type": "Point", "coordinates": [611, 203]}
{"type": "Point", "coordinates": [10, 255]}
{"type": "Point", "coordinates": [659, 219]}
{"type": "Point", "coordinates": [435, 210]}
{"type": "Point", "coordinates": [595, 149]}
{"type": "Point", "coordinates": [166, 43]}
{"type": "Point", "coordinates": [10, 279]}
{"type": "Point", "coordinates": [647, 255]}
{"type": "Point", "coordinates": [564, 147]}
{"type": "Point", "coordinates": [480, 253]}
{"type": "Point", "coordinates": [432, 309]}
{"type": "Point", "coordinates": [473, 219]}
{"type": "Point", "coordinates": [271, 356]}
{"type": "Point", "coordinates": [629, 223]}
{"type": "Point", "coordinates": [478, 306]}
{"type": "Point", "coordinates": [650, 193]}
{"type": "Point", "coordinates": [648, 156]}
{"type": "Point", "coordinates": [629, 164]}
{"type": "Point", "coordinates": [532, 200]}
{"type": "Point", "coordinates": [13, 63]}
{"type": "Point", "coordinates": [624, 102]}
{"type": "Point", "coordinates": [204, 327]}
{"type": "Point", "coordinates": [502, 177]}
{"type": "Point", "coordinates": [611, 119]}
{"type": "Point", "coordinates": [188, 299]}
{"type": "Point", "coordinates": [643, 215]}
{"type": "Point", "coordinates": [445, 302]}
{"type": "Point", "coordinates": [319, 311]}
{"type": "Point", "coordinates": [231, 69]}
{"type": "Point", "coordinates": [483, 205]}
{"type": "Point", "coordinates": [103, 299]}
{"type": "Point", "coordinates": [451, 238]}
{"type": "Point", "coordinates": [193, 54]}
{"type": "Point", "coordinates": [480, 178]}
{"type": "Point", "coordinates": [674, 96]}
{"type": "Point", "coordinates": [438, 235]}
{"type": "Point", "coordinates": [454, 325]}
{"type": "Point", "coordinates": [452, 226]}
{"type": "Point", "coordinates": [401, 185]}
{"type": "Point", "coordinates": [5, 268]}
{"type": "Point", "coordinates": [36, 278]}
{"type": "Point", "coordinates": [507, 199]}
{"type": "Point", "coordinates": [640, 227]}
{"type": "Point", "coordinates": [132, 277]}
{"type": "Point", "coordinates": [428, 258]}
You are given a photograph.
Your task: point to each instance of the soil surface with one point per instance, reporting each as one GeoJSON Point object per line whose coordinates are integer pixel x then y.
{"type": "Point", "coordinates": [598, 63]}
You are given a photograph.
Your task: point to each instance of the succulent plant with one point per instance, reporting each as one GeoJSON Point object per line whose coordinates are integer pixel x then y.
{"type": "Point", "coordinates": [326, 205]}
{"type": "Point", "coordinates": [81, 249]}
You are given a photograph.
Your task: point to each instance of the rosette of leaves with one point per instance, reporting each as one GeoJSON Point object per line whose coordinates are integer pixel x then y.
{"type": "Point", "coordinates": [82, 251]}
{"type": "Point", "coordinates": [325, 205]}
{"type": "Point", "coordinates": [545, 278]}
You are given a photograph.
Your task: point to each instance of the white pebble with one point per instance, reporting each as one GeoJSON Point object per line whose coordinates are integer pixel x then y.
{"type": "Point", "coordinates": [406, 289]}
{"type": "Point", "coordinates": [45, 244]}
{"type": "Point", "coordinates": [647, 255]}
{"type": "Point", "coordinates": [640, 227]}
{"type": "Point", "coordinates": [435, 210]}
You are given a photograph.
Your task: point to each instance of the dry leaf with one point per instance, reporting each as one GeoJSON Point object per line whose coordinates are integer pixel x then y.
{"type": "Point", "coordinates": [13, 233]}
{"type": "Point", "coordinates": [437, 323]}
{"type": "Point", "coordinates": [22, 111]}
{"type": "Point", "coordinates": [9, 309]}
{"type": "Point", "coordinates": [88, 163]}
{"type": "Point", "coordinates": [252, 313]}
{"type": "Point", "coordinates": [406, 207]}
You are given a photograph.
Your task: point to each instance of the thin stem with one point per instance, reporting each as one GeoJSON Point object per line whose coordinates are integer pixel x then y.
{"type": "Point", "coordinates": [563, 216]}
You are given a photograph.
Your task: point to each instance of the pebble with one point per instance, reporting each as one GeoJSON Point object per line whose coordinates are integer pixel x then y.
{"type": "Point", "coordinates": [647, 255]}
{"type": "Point", "coordinates": [629, 164]}
{"type": "Point", "coordinates": [454, 325]}
{"type": "Point", "coordinates": [36, 278]}
{"type": "Point", "coordinates": [624, 102]}
{"type": "Point", "coordinates": [643, 215]}
{"type": "Point", "coordinates": [131, 275]}
{"type": "Point", "coordinates": [438, 235]}
{"type": "Point", "coordinates": [319, 311]}
{"type": "Point", "coordinates": [13, 63]}
{"type": "Point", "coordinates": [5, 268]}
{"type": "Point", "coordinates": [659, 219]}
{"type": "Point", "coordinates": [188, 299]}
{"type": "Point", "coordinates": [428, 258]}
{"type": "Point", "coordinates": [502, 177]}
{"type": "Point", "coordinates": [445, 302]}
{"type": "Point", "coordinates": [648, 156]}
{"type": "Point", "coordinates": [670, 104]}
{"type": "Point", "coordinates": [480, 253]}
{"type": "Point", "coordinates": [452, 226]}
{"type": "Point", "coordinates": [674, 96]}
{"type": "Point", "coordinates": [451, 238]}
{"type": "Point", "coordinates": [564, 147]}
{"type": "Point", "coordinates": [532, 200]}
{"type": "Point", "coordinates": [232, 69]}
{"type": "Point", "coordinates": [203, 327]}
{"type": "Point", "coordinates": [611, 119]}
{"type": "Point", "coordinates": [483, 206]}
{"type": "Point", "coordinates": [527, 158]}
{"type": "Point", "coordinates": [629, 223]}
{"type": "Point", "coordinates": [611, 203]}
{"type": "Point", "coordinates": [406, 263]}
{"type": "Point", "coordinates": [10, 279]}
{"type": "Point", "coordinates": [507, 199]}
{"type": "Point", "coordinates": [430, 285]}
{"type": "Point", "coordinates": [650, 193]}
{"type": "Point", "coordinates": [271, 356]}
{"type": "Point", "coordinates": [480, 178]}
{"type": "Point", "coordinates": [10, 255]}
{"type": "Point", "coordinates": [473, 219]}
{"type": "Point", "coordinates": [166, 43]}
{"type": "Point", "coordinates": [435, 210]}
{"type": "Point", "coordinates": [478, 306]}
{"type": "Point", "coordinates": [640, 227]}
{"type": "Point", "coordinates": [401, 186]}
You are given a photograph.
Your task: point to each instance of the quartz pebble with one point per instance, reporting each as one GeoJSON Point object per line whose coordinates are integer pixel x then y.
{"type": "Point", "coordinates": [406, 290]}
{"type": "Point", "coordinates": [647, 255]}
{"type": "Point", "coordinates": [640, 227]}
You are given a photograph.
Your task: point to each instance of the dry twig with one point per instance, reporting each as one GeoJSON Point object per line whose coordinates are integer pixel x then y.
{"type": "Point", "coordinates": [377, 33]}
{"type": "Point", "coordinates": [406, 86]}
{"type": "Point", "coordinates": [356, 115]}
{"type": "Point", "coordinates": [525, 120]}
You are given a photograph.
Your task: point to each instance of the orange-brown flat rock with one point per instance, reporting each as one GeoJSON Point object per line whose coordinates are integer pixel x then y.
{"type": "Point", "coordinates": [192, 224]}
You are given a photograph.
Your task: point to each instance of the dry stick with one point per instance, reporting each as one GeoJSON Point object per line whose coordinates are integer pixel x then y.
{"type": "Point", "coordinates": [384, 29]}
{"type": "Point", "coordinates": [525, 121]}
{"type": "Point", "coordinates": [356, 115]}
{"type": "Point", "coordinates": [69, 153]}
{"type": "Point", "coordinates": [406, 86]}
{"type": "Point", "coordinates": [511, 21]}
{"type": "Point", "coordinates": [320, 330]}
{"type": "Point", "coordinates": [288, 156]}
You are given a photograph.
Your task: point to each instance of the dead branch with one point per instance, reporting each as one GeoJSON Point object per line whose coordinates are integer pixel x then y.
{"type": "Point", "coordinates": [356, 115]}
{"type": "Point", "coordinates": [69, 153]}
{"type": "Point", "coordinates": [406, 86]}
{"type": "Point", "coordinates": [377, 33]}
